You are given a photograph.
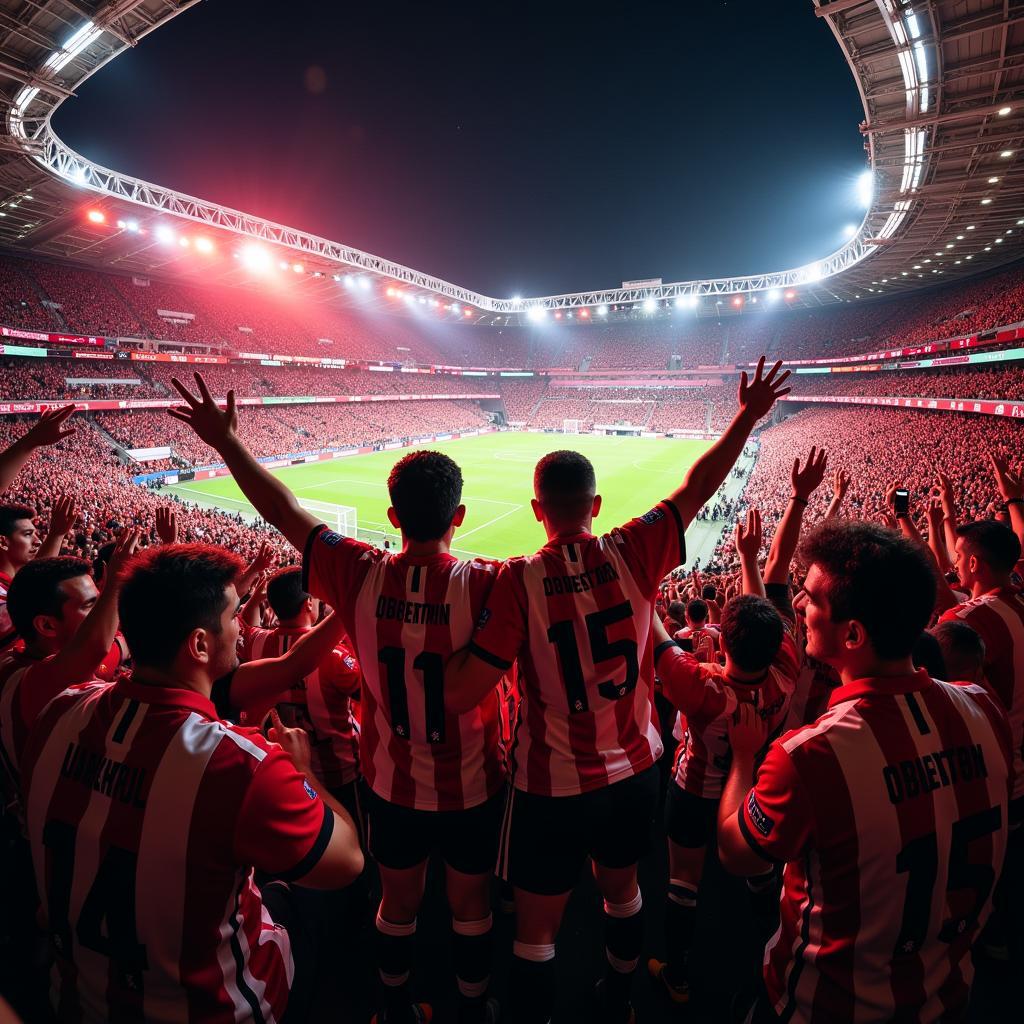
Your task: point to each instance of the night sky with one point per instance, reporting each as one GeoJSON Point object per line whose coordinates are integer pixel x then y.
{"type": "Point", "coordinates": [513, 148]}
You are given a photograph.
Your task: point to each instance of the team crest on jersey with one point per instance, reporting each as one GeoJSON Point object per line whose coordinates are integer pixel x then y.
{"type": "Point", "coordinates": [762, 822]}
{"type": "Point", "coordinates": [310, 791]}
{"type": "Point", "coordinates": [330, 538]}
{"type": "Point", "coordinates": [650, 518]}
{"type": "Point", "coordinates": [350, 662]}
{"type": "Point", "coordinates": [484, 617]}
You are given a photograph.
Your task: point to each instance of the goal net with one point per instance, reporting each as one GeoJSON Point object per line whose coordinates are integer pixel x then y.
{"type": "Point", "coordinates": [340, 518]}
{"type": "Point", "coordinates": [570, 426]}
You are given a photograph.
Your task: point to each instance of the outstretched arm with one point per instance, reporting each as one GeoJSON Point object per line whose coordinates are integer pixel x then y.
{"type": "Point", "coordinates": [804, 481]}
{"type": "Point", "coordinates": [257, 683]}
{"type": "Point", "coordinates": [840, 485]}
{"type": "Point", "coordinates": [1011, 490]}
{"type": "Point", "coordinates": [62, 518]}
{"type": "Point", "coordinates": [218, 429]}
{"type": "Point", "coordinates": [49, 429]}
{"type": "Point", "coordinates": [747, 539]}
{"type": "Point", "coordinates": [706, 475]}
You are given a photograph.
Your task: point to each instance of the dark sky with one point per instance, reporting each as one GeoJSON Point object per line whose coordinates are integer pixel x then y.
{"type": "Point", "coordinates": [524, 148]}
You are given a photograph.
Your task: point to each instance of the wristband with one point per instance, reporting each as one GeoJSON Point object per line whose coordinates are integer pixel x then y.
{"type": "Point", "coordinates": [1014, 501]}
{"type": "Point", "coordinates": [902, 515]}
{"type": "Point", "coordinates": [794, 497]}
{"type": "Point", "coordinates": [661, 648]}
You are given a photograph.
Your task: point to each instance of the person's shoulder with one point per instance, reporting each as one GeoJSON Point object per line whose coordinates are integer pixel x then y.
{"type": "Point", "coordinates": [816, 738]}
{"type": "Point", "coordinates": [324, 536]}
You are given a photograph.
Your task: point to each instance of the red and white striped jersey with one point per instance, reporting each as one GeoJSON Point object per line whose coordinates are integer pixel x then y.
{"type": "Point", "coordinates": [998, 617]}
{"type": "Point", "coordinates": [577, 615]}
{"type": "Point", "coordinates": [321, 705]}
{"type": "Point", "coordinates": [8, 634]}
{"type": "Point", "coordinates": [890, 812]}
{"type": "Point", "coordinates": [707, 698]}
{"type": "Point", "coordinates": [406, 616]}
{"type": "Point", "coordinates": [146, 817]}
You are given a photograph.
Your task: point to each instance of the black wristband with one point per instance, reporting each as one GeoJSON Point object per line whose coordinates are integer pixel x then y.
{"type": "Point", "coordinates": [902, 515]}
{"type": "Point", "coordinates": [794, 497]}
{"type": "Point", "coordinates": [1015, 501]}
{"type": "Point", "coordinates": [661, 648]}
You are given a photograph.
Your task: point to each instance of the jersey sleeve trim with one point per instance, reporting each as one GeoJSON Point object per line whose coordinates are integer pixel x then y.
{"type": "Point", "coordinates": [316, 851]}
{"type": "Point", "coordinates": [751, 841]}
{"type": "Point", "coordinates": [307, 552]}
{"type": "Point", "coordinates": [680, 528]}
{"type": "Point", "coordinates": [492, 659]}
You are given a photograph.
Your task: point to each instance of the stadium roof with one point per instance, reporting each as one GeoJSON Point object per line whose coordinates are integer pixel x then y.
{"type": "Point", "coordinates": [940, 81]}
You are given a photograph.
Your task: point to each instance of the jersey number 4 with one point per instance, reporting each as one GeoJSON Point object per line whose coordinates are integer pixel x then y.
{"type": "Point", "coordinates": [920, 860]}
{"type": "Point", "coordinates": [563, 636]}
{"type": "Point", "coordinates": [106, 919]}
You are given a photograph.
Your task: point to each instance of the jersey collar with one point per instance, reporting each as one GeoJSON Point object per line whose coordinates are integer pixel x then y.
{"type": "Point", "coordinates": [166, 696]}
{"type": "Point", "coordinates": [882, 685]}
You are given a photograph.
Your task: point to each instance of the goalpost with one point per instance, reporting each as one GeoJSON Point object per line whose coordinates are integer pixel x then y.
{"type": "Point", "coordinates": [570, 426]}
{"type": "Point", "coordinates": [341, 519]}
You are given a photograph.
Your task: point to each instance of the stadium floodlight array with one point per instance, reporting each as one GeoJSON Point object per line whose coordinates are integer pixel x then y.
{"type": "Point", "coordinates": [341, 519]}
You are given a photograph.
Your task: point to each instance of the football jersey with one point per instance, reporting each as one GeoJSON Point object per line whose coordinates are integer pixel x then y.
{"type": "Point", "coordinates": [321, 704]}
{"type": "Point", "coordinates": [406, 616]}
{"type": "Point", "coordinates": [707, 698]}
{"type": "Point", "coordinates": [577, 615]}
{"type": "Point", "coordinates": [998, 618]}
{"type": "Point", "coordinates": [146, 817]}
{"type": "Point", "coordinates": [890, 812]}
{"type": "Point", "coordinates": [8, 634]}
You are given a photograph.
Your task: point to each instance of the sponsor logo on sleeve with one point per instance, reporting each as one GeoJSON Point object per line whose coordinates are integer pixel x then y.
{"type": "Point", "coordinates": [330, 538]}
{"type": "Point", "coordinates": [350, 662]}
{"type": "Point", "coordinates": [761, 821]}
{"type": "Point", "coordinates": [310, 791]}
{"type": "Point", "coordinates": [650, 518]}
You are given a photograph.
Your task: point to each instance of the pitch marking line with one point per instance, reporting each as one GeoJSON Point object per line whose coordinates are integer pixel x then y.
{"type": "Point", "coordinates": [372, 483]}
{"type": "Point", "coordinates": [490, 522]}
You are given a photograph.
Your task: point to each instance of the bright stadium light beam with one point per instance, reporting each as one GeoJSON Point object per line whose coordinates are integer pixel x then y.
{"type": "Point", "coordinates": [774, 295]}
{"type": "Point", "coordinates": [650, 305]}
{"type": "Point", "coordinates": [204, 245]}
{"type": "Point", "coordinates": [536, 314]}
{"type": "Point", "coordinates": [849, 230]}
{"type": "Point", "coordinates": [602, 310]}
{"type": "Point", "coordinates": [865, 188]}
{"type": "Point", "coordinates": [256, 258]}
{"type": "Point", "coordinates": [97, 216]}
{"type": "Point", "coordinates": [164, 234]}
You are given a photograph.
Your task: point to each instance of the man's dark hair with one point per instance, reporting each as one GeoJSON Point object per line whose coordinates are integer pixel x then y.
{"type": "Point", "coordinates": [927, 654]}
{"type": "Point", "coordinates": [991, 542]}
{"type": "Point", "coordinates": [963, 649]}
{"type": "Point", "coordinates": [709, 592]}
{"type": "Point", "coordinates": [564, 481]}
{"type": "Point", "coordinates": [425, 489]}
{"type": "Point", "coordinates": [168, 592]}
{"type": "Point", "coordinates": [285, 593]}
{"type": "Point", "coordinates": [877, 577]}
{"type": "Point", "coordinates": [751, 632]}
{"type": "Point", "coordinates": [35, 590]}
{"type": "Point", "coordinates": [677, 610]}
{"type": "Point", "coordinates": [697, 609]}
{"type": "Point", "coordinates": [11, 514]}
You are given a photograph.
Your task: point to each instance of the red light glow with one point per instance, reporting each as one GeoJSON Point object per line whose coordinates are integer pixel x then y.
{"type": "Point", "coordinates": [97, 216]}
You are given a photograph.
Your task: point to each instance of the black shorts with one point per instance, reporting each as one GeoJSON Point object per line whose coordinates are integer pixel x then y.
{"type": "Point", "coordinates": [352, 796]}
{"type": "Point", "coordinates": [401, 838]}
{"type": "Point", "coordinates": [546, 839]}
{"type": "Point", "coordinates": [690, 820]}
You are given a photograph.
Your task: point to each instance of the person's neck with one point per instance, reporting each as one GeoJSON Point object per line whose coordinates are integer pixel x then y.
{"type": "Point", "coordinates": [742, 676]}
{"type": "Point", "coordinates": [299, 622]}
{"type": "Point", "coordinates": [39, 649]}
{"type": "Point", "coordinates": [875, 668]}
{"type": "Point", "coordinates": [172, 679]}
{"type": "Point", "coordinates": [560, 531]}
{"type": "Point", "coordinates": [7, 567]}
{"type": "Point", "coordinates": [426, 548]}
{"type": "Point", "coordinates": [986, 584]}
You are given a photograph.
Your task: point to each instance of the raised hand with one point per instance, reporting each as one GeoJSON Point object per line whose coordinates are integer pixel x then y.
{"type": "Point", "coordinates": [121, 555]}
{"type": "Point", "coordinates": [807, 480]}
{"type": "Point", "coordinates": [1009, 484]}
{"type": "Point", "coordinates": [757, 396]}
{"type": "Point", "coordinates": [64, 514]}
{"type": "Point", "coordinates": [264, 559]}
{"type": "Point", "coordinates": [747, 730]}
{"type": "Point", "coordinates": [840, 484]}
{"type": "Point", "coordinates": [933, 513]}
{"type": "Point", "coordinates": [747, 537]}
{"type": "Point", "coordinates": [946, 496]}
{"type": "Point", "coordinates": [294, 742]}
{"type": "Point", "coordinates": [203, 415]}
{"type": "Point", "coordinates": [49, 428]}
{"type": "Point", "coordinates": [166, 525]}
{"type": "Point", "coordinates": [888, 520]}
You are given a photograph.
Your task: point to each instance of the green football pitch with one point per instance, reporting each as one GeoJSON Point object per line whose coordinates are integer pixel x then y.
{"type": "Point", "coordinates": [633, 474]}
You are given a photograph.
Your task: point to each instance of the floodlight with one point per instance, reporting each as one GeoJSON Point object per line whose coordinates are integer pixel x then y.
{"type": "Point", "coordinates": [585, 313]}
{"type": "Point", "coordinates": [791, 294]}
{"type": "Point", "coordinates": [364, 283]}
{"type": "Point", "coordinates": [813, 272]}
{"type": "Point", "coordinates": [1006, 154]}
{"type": "Point", "coordinates": [692, 299]}
{"type": "Point", "coordinates": [774, 295]}
{"type": "Point", "coordinates": [865, 188]}
{"type": "Point", "coordinates": [184, 242]}
{"type": "Point", "coordinates": [738, 301]}
{"type": "Point", "coordinates": [985, 202]}
{"type": "Point", "coordinates": [164, 233]}
{"type": "Point", "coordinates": [650, 305]}
{"type": "Point", "coordinates": [256, 258]}
{"type": "Point", "coordinates": [992, 180]}
{"type": "Point", "coordinates": [536, 314]}
{"type": "Point", "coordinates": [204, 245]}
{"type": "Point", "coordinates": [1003, 111]}
{"type": "Point", "coordinates": [602, 310]}
{"type": "Point", "coordinates": [97, 216]}
{"type": "Point", "coordinates": [467, 312]}
{"type": "Point", "coordinates": [132, 225]}
{"type": "Point", "coordinates": [297, 268]}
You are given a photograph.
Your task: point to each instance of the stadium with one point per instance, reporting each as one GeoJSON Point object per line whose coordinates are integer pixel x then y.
{"type": "Point", "coordinates": [902, 354]}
